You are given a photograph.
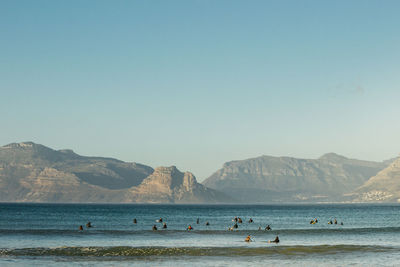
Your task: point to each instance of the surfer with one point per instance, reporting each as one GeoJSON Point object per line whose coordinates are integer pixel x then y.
{"type": "Point", "coordinates": [80, 228]}
{"type": "Point", "coordinates": [154, 228]}
{"type": "Point", "coordinates": [189, 228]}
{"type": "Point", "coordinates": [276, 240]}
{"type": "Point", "coordinates": [135, 221]}
{"type": "Point", "coordinates": [88, 224]}
{"type": "Point", "coordinates": [198, 221]}
{"type": "Point", "coordinates": [164, 225]}
{"type": "Point", "coordinates": [235, 226]}
{"type": "Point", "coordinates": [251, 220]}
{"type": "Point", "coordinates": [248, 239]}
{"type": "Point", "coordinates": [268, 228]}
{"type": "Point", "coordinates": [207, 223]}
{"type": "Point", "coordinates": [335, 221]}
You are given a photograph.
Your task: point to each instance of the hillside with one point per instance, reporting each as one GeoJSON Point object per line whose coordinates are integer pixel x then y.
{"type": "Point", "coordinates": [268, 179]}
{"type": "Point", "coordinates": [31, 172]}
{"type": "Point", "coordinates": [383, 187]}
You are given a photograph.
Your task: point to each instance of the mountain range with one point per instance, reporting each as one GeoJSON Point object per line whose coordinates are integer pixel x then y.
{"type": "Point", "coordinates": [32, 172]}
{"type": "Point", "coordinates": [267, 179]}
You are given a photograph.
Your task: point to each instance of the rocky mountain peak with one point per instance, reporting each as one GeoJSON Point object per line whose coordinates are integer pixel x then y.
{"type": "Point", "coordinates": [171, 178]}
{"type": "Point", "coordinates": [21, 145]}
{"type": "Point", "coordinates": [332, 157]}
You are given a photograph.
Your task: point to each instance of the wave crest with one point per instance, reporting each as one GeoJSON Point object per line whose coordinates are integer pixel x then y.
{"type": "Point", "coordinates": [126, 251]}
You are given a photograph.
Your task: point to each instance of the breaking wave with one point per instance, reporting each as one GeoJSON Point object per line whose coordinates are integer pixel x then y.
{"type": "Point", "coordinates": [309, 231]}
{"type": "Point", "coordinates": [125, 251]}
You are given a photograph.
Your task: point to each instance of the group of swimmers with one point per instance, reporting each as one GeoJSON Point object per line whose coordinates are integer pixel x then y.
{"type": "Point", "coordinates": [315, 220]}
{"type": "Point", "coordinates": [88, 225]}
{"type": "Point", "coordinates": [189, 228]}
{"type": "Point", "coordinates": [334, 222]}
{"type": "Point", "coordinates": [164, 224]}
{"type": "Point", "coordinates": [235, 226]}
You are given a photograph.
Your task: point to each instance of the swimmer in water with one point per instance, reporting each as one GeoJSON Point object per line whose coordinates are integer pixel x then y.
{"type": "Point", "coordinates": [80, 228]}
{"type": "Point", "coordinates": [276, 240]}
{"type": "Point", "coordinates": [251, 220]}
{"type": "Point", "coordinates": [135, 221]}
{"type": "Point", "coordinates": [268, 228]}
{"type": "Point", "coordinates": [89, 224]}
{"type": "Point", "coordinates": [189, 227]}
{"type": "Point", "coordinates": [164, 225]}
{"type": "Point", "coordinates": [154, 228]}
{"type": "Point", "coordinates": [207, 223]}
{"type": "Point", "coordinates": [248, 239]}
{"type": "Point", "coordinates": [198, 221]}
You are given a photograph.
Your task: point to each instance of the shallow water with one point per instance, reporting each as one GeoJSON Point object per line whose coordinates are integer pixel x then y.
{"type": "Point", "coordinates": [45, 234]}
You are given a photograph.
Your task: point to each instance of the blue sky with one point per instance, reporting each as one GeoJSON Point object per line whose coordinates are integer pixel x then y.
{"type": "Point", "coordinates": [198, 83]}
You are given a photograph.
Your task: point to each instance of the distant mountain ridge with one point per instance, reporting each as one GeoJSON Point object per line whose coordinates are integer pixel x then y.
{"type": "Point", "coordinates": [31, 172]}
{"type": "Point", "coordinates": [269, 179]}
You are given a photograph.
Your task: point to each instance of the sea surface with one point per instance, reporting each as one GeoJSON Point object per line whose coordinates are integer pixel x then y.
{"type": "Point", "coordinates": [48, 235]}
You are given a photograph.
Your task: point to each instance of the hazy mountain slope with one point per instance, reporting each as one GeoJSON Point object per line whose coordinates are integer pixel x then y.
{"type": "Point", "coordinates": [385, 186]}
{"type": "Point", "coordinates": [269, 179]}
{"type": "Point", "coordinates": [34, 173]}
{"type": "Point", "coordinates": [104, 172]}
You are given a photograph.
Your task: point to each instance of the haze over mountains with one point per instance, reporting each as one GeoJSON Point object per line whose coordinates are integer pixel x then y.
{"type": "Point", "coordinates": [31, 172]}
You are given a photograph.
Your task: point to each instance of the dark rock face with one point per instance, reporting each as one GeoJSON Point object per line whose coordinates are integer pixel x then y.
{"type": "Point", "coordinates": [275, 179]}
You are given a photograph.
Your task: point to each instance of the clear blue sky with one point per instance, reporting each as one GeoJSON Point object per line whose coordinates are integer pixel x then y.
{"type": "Point", "coordinates": [198, 83]}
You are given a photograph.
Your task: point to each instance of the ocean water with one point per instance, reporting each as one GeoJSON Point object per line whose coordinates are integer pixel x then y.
{"type": "Point", "coordinates": [48, 235]}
